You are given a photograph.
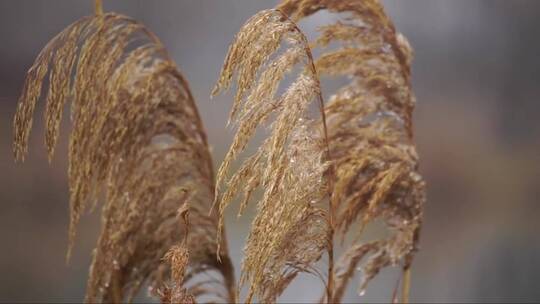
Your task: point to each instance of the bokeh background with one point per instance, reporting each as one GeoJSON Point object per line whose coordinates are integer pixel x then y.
{"type": "Point", "coordinates": [477, 79]}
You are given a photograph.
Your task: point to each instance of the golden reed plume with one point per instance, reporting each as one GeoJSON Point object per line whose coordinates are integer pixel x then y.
{"type": "Point", "coordinates": [370, 133]}
{"type": "Point", "coordinates": [290, 231]}
{"type": "Point", "coordinates": [138, 139]}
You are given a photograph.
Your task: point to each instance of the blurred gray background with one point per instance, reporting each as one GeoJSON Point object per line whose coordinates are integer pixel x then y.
{"type": "Point", "coordinates": [477, 79]}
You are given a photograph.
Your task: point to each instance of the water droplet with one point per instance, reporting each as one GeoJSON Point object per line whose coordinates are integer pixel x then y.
{"type": "Point", "coordinates": [347, 95]}
{"type": "Point", "coordinates": [116, 265]}
{"type": "Point", "coordinates": [386, 48]}
{"type": "Point", "coordinates": [415, 177]}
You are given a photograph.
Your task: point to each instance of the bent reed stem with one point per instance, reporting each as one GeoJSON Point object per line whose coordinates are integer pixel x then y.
{"type": "Point", "coordinates": [331, 211]}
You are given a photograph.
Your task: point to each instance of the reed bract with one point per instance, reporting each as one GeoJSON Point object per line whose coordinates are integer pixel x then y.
{"type": "Point", "coordinates": [324, 169]}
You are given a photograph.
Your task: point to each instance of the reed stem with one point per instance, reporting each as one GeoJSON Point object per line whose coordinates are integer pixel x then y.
{"type": "Point", "coordinates": [405, 289]}
{"type": "Point", "coordinates": [99, 7]}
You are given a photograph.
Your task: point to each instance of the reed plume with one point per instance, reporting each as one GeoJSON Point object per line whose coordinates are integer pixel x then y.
{"type": "Point", "coordinates": [369, 123]}
{"type": "Point", "coordinates": [178, 258]}
{"type": "Point", "coordinates": [137, 139]}
{"type": "Point", "coordinates": [290, 231]}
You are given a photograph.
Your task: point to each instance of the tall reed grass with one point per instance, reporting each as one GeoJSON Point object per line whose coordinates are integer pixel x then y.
{"type": "Point", "coordinates": [325, 168]}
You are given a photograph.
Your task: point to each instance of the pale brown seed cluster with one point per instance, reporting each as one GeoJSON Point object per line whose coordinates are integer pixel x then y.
{"type": "Point", "coordinates": [138, 140]}
{"type": "Point", "coordinates": [369, 123]}
{"type": "Point", "coordinates": [178, 257]}
{"type": "Point", "coordinates": [289, 232]}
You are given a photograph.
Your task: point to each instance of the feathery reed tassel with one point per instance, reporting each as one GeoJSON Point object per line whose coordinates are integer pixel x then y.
{"type": "Point", "coordinates": [290, 230]}
{"type": "Point", "coordinates": [137, 137]}
{"type": "Point", "coordinates": [370, 132]}
{"type": "Point", "coordinates": [178, 257]}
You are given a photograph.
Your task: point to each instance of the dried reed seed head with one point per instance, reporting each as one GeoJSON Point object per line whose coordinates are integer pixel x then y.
{"type": "Point", "coordinates": [137, 137]}
{"type": "Point", "coordinates": [288, 166]}
{"type": "Point", "coordinates": [370, 131]}
{"type": "Point", "coordinates": [303, 245]}
{"type": "Point", "coordinates": [178, 258]}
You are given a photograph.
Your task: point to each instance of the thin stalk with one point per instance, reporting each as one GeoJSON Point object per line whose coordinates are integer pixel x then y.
{"type": "Point", "coordinates": [99, 7]}
{"type": "Point", "coordinates": [331, 205]}
{"type": "Point", "coordinates": [117, 295]}
{"type": "Point", "coordinates": [331, 209]}
{"type": "Point", "coordinates": [405, 288]}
